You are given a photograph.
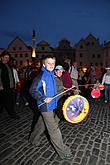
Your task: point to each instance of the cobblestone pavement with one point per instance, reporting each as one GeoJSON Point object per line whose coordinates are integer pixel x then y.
{"type": "Point", "coordinates": [88, 140]}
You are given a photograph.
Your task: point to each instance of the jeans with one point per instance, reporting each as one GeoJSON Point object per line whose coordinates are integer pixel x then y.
{"type": "Point", "coordinates": [107, 92]}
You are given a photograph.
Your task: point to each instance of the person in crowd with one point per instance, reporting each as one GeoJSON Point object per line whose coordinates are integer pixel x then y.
{"type": "Point", "coordinates": [12, 63]}
{"type": "Point", "coordinates": [106, 83]}
{"type": "Point", "coordinates": [74, 75]}
{"type": "Point", "coordinates": [59, 84]}
{"type": "Point", "coordinates": [66, 79]}
{"type": "Point", "coordinates": [19, 90]}
{"type": "Point", "coordinates": [60, 89]}
{"type": "Point", "coordinates": [7, 89]}
{"type": "Point", "coordinates": [43, 89]}
{"type": "Point", "coordinates": [92, 74]}
{"type": "Point", "coordinates": [80, 81]}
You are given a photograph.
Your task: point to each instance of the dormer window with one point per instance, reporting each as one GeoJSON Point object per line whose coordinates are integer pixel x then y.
{"type": "Point", "coordinates": [81, 46]}
{"type": "Point", "coordinates": [20, 48]}
{"type": "Point", "coordinates": [14, 48]}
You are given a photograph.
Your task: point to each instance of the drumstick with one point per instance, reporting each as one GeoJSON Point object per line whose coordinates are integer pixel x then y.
{"type": "Point", "coordinates": [57, 95]}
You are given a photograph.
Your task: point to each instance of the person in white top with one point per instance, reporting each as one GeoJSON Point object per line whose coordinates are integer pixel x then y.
{"type": "Point", "coordinates": [106, 83]}
{"type": "Point", "coordinates": [74, 75]}
{"type": "Point", "coordinates": [12, 63]}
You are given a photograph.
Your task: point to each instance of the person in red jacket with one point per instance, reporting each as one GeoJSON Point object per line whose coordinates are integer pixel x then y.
{"type": "Point", "coordinates": [66, 78]}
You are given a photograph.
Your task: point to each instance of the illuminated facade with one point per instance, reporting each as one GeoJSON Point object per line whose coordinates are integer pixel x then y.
{"type": "Point", "coordinates": [21, 52]}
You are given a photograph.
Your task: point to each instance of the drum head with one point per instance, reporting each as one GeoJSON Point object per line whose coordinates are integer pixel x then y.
{"type": "Point", "coordinates": [75, 109]}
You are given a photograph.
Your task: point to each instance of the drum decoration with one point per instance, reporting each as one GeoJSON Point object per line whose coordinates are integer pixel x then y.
{"type": "Point", "coordinates": [95, 93]}
{"type": "Point", "coordinates": [101, 87]}
{"type": "Point", "coordinates": [75, 109]}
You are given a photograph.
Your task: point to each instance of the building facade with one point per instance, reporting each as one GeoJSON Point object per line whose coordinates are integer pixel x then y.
{"type": "Point", "coordinates": [64, 51]}
{"type": "Point", "coordinates": [106, 54]}
{"type": "Point", "coordinates": [88, 52]}
{"type": "Point", "coordinates": [43, 48]}
{"type": "Point", "coordinates": [21, 52]}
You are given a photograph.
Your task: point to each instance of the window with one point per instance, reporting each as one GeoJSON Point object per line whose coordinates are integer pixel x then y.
{"type": "Point", "coordinates": [96, 64]}
{"type": "Point", "coordinates": [21, 62]}
{"type": "Point", "coordinates": [81, 55]}
{"type": "Point", "coordinates": [98, 56]}
{"type": "Point", "coordinates": [26, 55]}
{"type": "Point", "coordinates": [43, 48]}
{"type": "Point", "coordinates": [88, 43]}
{"type": "Point", "coordinates": [20, 48]}
{"type": "Point", "coordinates": [16, 55]}
{"type": "Point", "coordinates": [21, 55]}
{"type": "Point", "coordinates": [14, 48]}
{"type": "Point", "coordinates": [101, 64]}
{"type": "Point", "coordinates": [93, 56]}
{"type": "Point", "coordinates": [81, 46]}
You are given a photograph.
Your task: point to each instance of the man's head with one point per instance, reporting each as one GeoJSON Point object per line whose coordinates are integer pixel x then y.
{"type": "Point", "coordinates": [49, 62]}
{"type": "Point", "coordinates": [108, 70]}
{"type": "Point", "coordinates": [5, 56]}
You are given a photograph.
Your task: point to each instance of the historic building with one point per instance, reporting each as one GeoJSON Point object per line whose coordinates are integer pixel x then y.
{"type": "Point", "coordinates": [106, 56]}
{"type": "Point", "coordinates": [64, 51]}
{"type": "Point", "coordinates": [88, 52]}
{"type": "Point", "coordinates": [43, 48]}
{"type": "Point", "coordinates": [21, 52]}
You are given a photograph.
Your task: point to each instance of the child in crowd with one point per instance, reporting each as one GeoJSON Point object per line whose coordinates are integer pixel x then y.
{"type": "Point", "coordinates": [43, 89]}
{"type": "Point", "coordinates": [60, 88]}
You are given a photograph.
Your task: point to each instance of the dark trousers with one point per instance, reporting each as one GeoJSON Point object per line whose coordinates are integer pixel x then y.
{"type": "Point", "coordinates": [7, 100]}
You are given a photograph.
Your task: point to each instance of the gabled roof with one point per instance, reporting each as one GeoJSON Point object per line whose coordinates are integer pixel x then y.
{"type": "Point", "coordinates": [15, 39]}
{"type": "Point", "coordinates": [90, 36]}
{"type": "Point", "coordinates": [43, 43]}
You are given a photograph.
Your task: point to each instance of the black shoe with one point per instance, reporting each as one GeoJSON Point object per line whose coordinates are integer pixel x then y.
{"type": "Point", "coordinates": [14, 117]}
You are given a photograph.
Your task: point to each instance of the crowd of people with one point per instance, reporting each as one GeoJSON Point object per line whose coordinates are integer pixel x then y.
{"type": "Point", "coordinates": [37, 90]}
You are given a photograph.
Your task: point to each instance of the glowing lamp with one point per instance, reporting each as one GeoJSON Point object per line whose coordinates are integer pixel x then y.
{"type": "Point", "coordinates": [101, 86]}
{"type": "Point", "coordinates": [95, 93]}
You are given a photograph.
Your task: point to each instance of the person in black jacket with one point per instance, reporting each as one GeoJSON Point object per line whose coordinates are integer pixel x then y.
{"type": "Point", "coordinates": [7, 86]}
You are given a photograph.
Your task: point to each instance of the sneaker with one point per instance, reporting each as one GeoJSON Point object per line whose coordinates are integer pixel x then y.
{"type": "Point", "coordinates": [33, 143]}
{"type": "Point", "coordinates": [68, 157]}
{"type": "Point", "coordinates": [105, 101]}
{"type": "Point", "coordinates": [26, 104]}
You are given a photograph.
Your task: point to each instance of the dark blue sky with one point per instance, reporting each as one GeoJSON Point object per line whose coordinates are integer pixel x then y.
{"type": "Point", "coordinates": [54, 20]}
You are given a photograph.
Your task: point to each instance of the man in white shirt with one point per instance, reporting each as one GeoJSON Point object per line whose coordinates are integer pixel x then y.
{"type": "Point", "coordinates": [106, 82]}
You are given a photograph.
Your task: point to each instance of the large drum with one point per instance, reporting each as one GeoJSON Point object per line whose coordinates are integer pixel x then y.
{"type": "Point", "coordinates": [75, 109]}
